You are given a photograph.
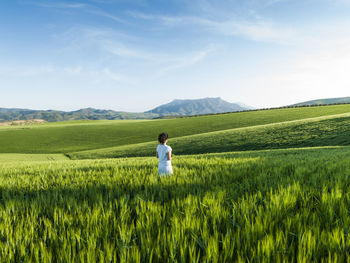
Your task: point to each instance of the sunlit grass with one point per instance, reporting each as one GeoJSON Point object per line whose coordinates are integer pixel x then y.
{"type": "Point", "coordinates": [17, 157]}
{"type": "Point", "coordinates": [279, 205]}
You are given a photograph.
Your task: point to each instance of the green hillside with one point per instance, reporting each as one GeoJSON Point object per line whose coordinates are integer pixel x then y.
{"type": "Point", "coordinates": [232, 201]}
{"type": "Point", "coordinates": [89, 135]}
{"type": "Point", "coordinates": [324, 101]}
{"type": "Point", "coordinates": [320, 131]}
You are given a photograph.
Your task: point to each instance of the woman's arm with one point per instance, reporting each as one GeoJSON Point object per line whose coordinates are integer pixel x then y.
{"type": "Point", "coordinates": [157, 155]}
{"type": "Point", "coordinates": [169, 155]}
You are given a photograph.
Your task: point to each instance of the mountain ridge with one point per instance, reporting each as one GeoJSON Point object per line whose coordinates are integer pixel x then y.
{"type": "Point", "coordinates": [185, 107]}
{"type": "Point", "coordinates": [15, 114]}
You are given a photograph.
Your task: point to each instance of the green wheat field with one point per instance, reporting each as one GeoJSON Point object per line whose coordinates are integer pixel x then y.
{"type": "Point", "coordinates": [259, 186]}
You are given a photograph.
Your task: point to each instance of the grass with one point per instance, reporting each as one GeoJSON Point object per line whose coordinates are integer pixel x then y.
{"type": "Point", "coordinates": [89, 135]}
{"type": "Point", "coordinates": [320, 131]}
{"type": "Point", "coordinates": [262, 206]}
{"type": "Point", "coordinates": [15, 157]}
{"type": "Point", "coordinates": [256, 205]}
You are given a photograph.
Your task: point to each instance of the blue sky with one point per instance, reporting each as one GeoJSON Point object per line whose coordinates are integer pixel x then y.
{"type": "Point", "coordinates": [135, 55]}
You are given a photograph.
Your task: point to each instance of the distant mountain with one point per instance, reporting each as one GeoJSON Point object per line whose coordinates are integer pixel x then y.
{"type": "Point", "coordinates": [324, 101]}
{"type": "Point", "coordinates": [196, 107]}
{"type": "Point", "coordinates": [174, 108]}
{"type": "Point", "coordinates": [7, 115]}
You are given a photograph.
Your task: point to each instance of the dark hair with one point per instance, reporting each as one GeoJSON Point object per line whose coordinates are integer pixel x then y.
{"type": "Point", "coordinates": [162, 137]}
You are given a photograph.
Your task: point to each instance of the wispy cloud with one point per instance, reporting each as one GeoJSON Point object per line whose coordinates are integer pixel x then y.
{"type": "Point", "coordinates": [88, 8]}
{"type": "Point", "coordinates": [112, 75]}
{"type": "Point", "coordinates": [75, 72]}
{"type": "Point", "coordinates": [256, 30]}
{"type": "Point", "coordinates": [87, 39]}
{"type": "Point", "coordinates": [186, 60]}
{"type": "Point", "coordinates": [60, 5]}
{"type": "Point", "coordinates": [138, 14]}
{"type": "Point", "coordinates": [118, 77]}
{"type": "Point", "coordinates": [113, 45]}
{"type": "Point", "coordinates": [165, 61]}
{"type": "Point", "coordinates": [99, 12]}
{"type": "Point", "coordinates": [116, 48]}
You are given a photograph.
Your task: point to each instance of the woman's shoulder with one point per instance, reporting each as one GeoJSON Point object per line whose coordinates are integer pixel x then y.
{"type": "Point", "coordinates": [159, 146]}
{"type": "Point", "coordinates": [164, 147]}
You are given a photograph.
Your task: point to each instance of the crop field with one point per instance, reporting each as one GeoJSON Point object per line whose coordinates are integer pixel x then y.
{"type": "Point", "coordinates": [276, 205]}
{"type": "Point", "coordinates": [325, 131]}
{"type": "Point", "coordinates": [260, 186]}
{"type": "Point", "coordinates": [17, 157]}
{"type": "Point", "coordinates": [77, 136]}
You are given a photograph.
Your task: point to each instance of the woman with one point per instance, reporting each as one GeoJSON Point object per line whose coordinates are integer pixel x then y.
{"type": "Point", "coordinates": [164, 155]}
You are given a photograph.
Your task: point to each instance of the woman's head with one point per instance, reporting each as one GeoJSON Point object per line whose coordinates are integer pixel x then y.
{"type": "Point", "coordinates": [163, 137]}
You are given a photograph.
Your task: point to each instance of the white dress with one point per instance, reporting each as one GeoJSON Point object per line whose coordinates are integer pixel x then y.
{"type": "Point", "coordinates": [164, 165]}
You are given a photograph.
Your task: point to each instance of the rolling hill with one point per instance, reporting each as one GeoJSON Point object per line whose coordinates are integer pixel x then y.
{"type": "Point", "coordinates": [197, 107]}
{"type": "Point", "coordinates": [210, 133]}
{"type": "Point", "coordinates": [324, 101]}
{"type": "Point", "coordinates": [320, 131]}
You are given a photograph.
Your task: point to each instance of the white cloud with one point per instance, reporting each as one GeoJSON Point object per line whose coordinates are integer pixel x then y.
{"type": "Point", "coordinates": [256, 29]}
{"type": "Point", "coordinates": [186, 60]}
{"type": "Point", "coordinates": [88, 8]}
{"type": "Point", "coordinates": [118, 49]}
{"type": "Point", "coordinates": [99, 12]}
{"type": "Point", "coordinates": [140, 15]}
{"type": "Point", "coordinates": [94, 40]}
{"type": "Point", "coordinates": [112, 75]}
{"type": "Point", "coordinates": [61, 5]}
{"type": "Point", "coordinates": [111, 44]}
{"type": "Point", "coordinates": [118, 77]}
